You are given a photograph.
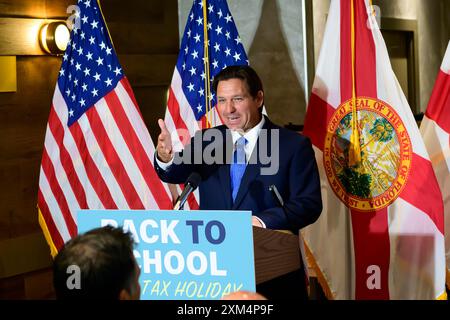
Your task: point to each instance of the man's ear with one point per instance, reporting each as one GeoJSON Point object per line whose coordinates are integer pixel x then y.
{"type": "Point", "coordinates": [124, 295]}
{"type": "Point", "coordinates": [260, 97]}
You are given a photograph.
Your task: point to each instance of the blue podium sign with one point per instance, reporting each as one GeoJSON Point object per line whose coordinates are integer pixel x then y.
{"type": "Point", "coordinates": [185, 255]}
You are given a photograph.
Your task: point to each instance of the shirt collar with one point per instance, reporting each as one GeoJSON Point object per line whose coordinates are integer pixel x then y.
{"type": "Point", "coordinates": [251, 136]}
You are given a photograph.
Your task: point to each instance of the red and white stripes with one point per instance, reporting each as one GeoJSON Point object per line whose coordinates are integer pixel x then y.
{"type": "Point", "coordinates": [103, 161]}
{"type": "Point", "coordinates": [182, 124]}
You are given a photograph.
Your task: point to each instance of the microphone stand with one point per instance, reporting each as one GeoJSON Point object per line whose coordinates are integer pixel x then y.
{"type": "Point", "coordinates": [191, 184]}
{"type": "Point", "coordinates": [279, 200]}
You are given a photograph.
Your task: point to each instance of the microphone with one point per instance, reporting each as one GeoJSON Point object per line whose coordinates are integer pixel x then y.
{"type": "Point", "coordinates": [279, 200]}
{"type": "Point", "coordinates": [276, 195]}
{"type": "Point", "coordinates": [191, 184]}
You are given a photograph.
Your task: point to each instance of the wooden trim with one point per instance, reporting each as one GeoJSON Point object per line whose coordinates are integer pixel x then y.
{"type": "Point", "coordinates": [23, 254]}
{"type": "Point", "coordinates": [32, 285]}
{"type": "Point", "coordinates": [8, 79]}
{"type": "Point", "coordinates": [21, 36]}
{"type": "Point", "coordinates": [309, 33]}
{"type": "Point", "coordinates": [35, 8]}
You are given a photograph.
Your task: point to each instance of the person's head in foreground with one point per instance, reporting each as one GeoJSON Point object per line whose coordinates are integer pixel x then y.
{"type": "Point", "coordinates": [98, 264]}
{"type": "Point", "coordinates": [244, 295]}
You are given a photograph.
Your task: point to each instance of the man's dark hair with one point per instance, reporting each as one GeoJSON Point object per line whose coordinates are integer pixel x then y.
{"type": "Point", "coordinates": [106, 262]}
{"type": "Point", "coordinates": [243, 72]}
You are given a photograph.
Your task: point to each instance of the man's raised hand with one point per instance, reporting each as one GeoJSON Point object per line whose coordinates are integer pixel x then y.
{"type": "Point", "coordinates": [164, 148]}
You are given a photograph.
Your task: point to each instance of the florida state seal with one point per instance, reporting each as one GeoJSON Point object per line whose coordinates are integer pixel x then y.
{"type": "Point", "coordinates": [386, 154]}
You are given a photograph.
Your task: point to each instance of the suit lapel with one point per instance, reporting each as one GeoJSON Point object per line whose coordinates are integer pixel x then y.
{"type": "Point", "coordinates": [224, 176]}
{"type": "Point", "coordinates": [224, 170]}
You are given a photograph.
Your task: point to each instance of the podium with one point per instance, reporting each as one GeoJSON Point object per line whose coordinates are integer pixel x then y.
{"type": "Point", "coordinates": [278, 265]}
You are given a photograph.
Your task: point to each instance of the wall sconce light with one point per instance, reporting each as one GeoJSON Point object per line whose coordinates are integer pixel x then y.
{"type": "Point", "coordinates": [54, 37]}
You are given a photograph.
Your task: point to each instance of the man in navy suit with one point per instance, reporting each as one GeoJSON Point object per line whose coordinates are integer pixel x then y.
{"type": "Point", "coordinates": [241, 159]}
{"type": "Point", "coordinates": [272, 156]}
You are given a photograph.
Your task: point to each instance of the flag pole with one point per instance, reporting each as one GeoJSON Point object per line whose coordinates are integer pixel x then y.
{"type": "Point", "coordinates": [355, 149]}
{"type": "Point", "coordinates": [106, 26]}
{"type": "Point", "coordinates": [206, 66]}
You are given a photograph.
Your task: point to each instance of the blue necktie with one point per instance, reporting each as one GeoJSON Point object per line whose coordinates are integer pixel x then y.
{"type": "Point", "coordinates": [238, 165]}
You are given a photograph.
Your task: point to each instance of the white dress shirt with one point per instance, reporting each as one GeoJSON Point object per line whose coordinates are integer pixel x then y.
{"type": "Point", "coordinates": [251, 136]}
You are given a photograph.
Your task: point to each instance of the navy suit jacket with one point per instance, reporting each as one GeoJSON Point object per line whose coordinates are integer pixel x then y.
{"type": "Point", "coordinates": [297, 179]}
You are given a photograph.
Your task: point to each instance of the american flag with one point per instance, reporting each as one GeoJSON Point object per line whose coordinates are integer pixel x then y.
{"type": "Point", "coordinates": [98, 153]}
{"type": "Point", "coordinates": [187, 105]}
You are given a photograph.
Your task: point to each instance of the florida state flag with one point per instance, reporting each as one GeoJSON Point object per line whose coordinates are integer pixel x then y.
{"type": "Point", "coordinates": [381, 232]}
{"type": "Point", "coordinates": [435, 129]}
